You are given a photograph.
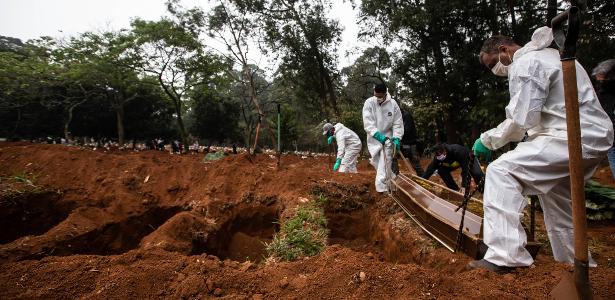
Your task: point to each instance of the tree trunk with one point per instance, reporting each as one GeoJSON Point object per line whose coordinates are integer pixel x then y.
{"type": "Point", "coordinates": [495, 28]}
{"type": "Point", "coordinates": [69, 118]}
{"type": "Point", "coordinates": [451, 133]}
{"type": "Point", "coordinates": [324, 73]}
{"type": "Point", "coordinates": [513, 19]}
{"type": "Point", "coordinates": [119, 114]}
{"type": "Point", "coordinates": [262, 120]}
{"type": "Point", "coordinates": [177, 104]}
{"type": "Point", "coordinates": [12, 134]}
{"type": "Point", "coordinates": [180, 125]}
{"type": "Point", "coordinates": [551, 11]}
{"type": "Point", "coordinates": [442, 91]}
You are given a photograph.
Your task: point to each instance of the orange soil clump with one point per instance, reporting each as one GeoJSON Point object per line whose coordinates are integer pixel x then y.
{"type": "Point", "coordinates": [152, 225]}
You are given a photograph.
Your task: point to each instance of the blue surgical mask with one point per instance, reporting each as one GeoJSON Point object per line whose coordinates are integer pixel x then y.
{"type": "Point", "coordinates": [441, 157]}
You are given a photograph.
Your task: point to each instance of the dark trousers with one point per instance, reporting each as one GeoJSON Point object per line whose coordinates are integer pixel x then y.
{"type": "Point", "coordinates": [445, 174]}
{"type": "Point", "coordinates": [409, 151]}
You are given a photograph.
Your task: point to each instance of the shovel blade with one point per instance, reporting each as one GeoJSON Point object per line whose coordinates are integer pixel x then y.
{"type": "Point", "coordinates": [566, 289]}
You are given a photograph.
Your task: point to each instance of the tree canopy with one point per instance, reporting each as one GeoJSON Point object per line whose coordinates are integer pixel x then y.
{"type": "Point", "coordinates": [170, 78]}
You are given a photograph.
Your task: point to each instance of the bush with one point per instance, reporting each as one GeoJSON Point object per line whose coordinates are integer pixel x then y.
{"type": "Point", "coordinates": [305, 234]}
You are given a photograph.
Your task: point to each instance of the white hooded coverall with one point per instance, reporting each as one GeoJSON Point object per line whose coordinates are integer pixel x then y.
{"type": "Point", "coordinates": [348, 148]}
{"type": "Point", "coordinates": [539, 165]}
{"type": "Point", "coordinates": [385, 118]}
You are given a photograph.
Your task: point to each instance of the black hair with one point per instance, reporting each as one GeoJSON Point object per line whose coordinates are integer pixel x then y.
{"type": "Point", "coordinates": [438, 148]}
{"type": "Point", "coordinates": [491, 44]}
{"type": "Point", "coordinates": [380, 88]}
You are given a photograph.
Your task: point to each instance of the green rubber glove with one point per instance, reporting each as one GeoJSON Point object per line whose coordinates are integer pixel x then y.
{"type": "Point", "coordinates": [397, 144]}
{"type": "Point", "coordinates": [481, 151]}
{"type": "Point", "coordinates": [330, 140]}
{"type": "Point", "coordinates": [337, 164]}
{"type": "Point", "coordinates": [380, 137]}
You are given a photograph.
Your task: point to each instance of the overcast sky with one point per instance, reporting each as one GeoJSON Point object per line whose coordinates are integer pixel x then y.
{"type": "Point", "coordinates": [27, 19]}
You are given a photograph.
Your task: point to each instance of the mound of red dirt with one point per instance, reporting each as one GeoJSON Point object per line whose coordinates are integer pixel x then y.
{"type": "Point", "coordinates": [152, 225]}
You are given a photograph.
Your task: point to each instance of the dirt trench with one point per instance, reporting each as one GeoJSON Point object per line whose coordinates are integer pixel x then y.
{"type": "Point", "coordinates": [38, 225]}
{"type": "Point", "coordinates": [243, 236]}
{"type": "Point", "coordinates": [31, 213]}
{"type": "Point", "coordinates": [374, 225]}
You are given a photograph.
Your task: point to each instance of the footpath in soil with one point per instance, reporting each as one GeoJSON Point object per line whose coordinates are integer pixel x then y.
{"type": "Point", "coordinates": [77, 223]}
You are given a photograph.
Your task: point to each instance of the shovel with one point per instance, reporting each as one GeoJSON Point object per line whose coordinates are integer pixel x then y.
{"type": "Point", "coordinates": [579, 286]}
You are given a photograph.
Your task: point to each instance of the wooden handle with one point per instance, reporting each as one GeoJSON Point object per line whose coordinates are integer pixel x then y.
{"type": "Point", "coordinates": [577, 172]}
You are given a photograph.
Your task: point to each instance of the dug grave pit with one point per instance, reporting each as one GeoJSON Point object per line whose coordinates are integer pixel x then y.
{"type": "Point", "coordinates": [29, 210]}
{"type": "Point", "coordinates": [242, 234]}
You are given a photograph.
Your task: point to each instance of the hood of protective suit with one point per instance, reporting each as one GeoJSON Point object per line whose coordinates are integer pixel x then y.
{"type": "Point", "coordinates": [537, 104]}
{"type": "Point", "coordinates": [346, 139]}
{"type": "Point", "coordinates": [541, 38]}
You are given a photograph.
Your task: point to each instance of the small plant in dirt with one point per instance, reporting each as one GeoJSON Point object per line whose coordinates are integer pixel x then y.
{"type": "Point", "coordinates": [24, 177]}
{"type": "Point", "coordinates": [322, 200]}
{"type": "Point", "coordinates": [305, 234]}
{"type": "Point", "coordinates": [19, 183]}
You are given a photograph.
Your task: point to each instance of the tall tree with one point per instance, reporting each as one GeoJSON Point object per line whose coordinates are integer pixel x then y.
{"type": "Point", "coordinates": [234, 26]}
{"type": "Point", "coordinates": [438, 62]}
{"type": "Point", "coordinates": [170, 50]}
{"type": "Point", "coordinates": [305, 40]}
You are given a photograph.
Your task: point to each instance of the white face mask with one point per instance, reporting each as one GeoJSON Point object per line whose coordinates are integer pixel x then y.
{"type": "Point", "coordinates": [441, 157]}
{"type": "Point", "coordinates": [500, 69]}
{"type": "Point", "coordinates": [380, 100]}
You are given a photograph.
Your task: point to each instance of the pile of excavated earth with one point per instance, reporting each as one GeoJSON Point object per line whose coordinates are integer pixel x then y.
{"type": "Point", "coordinates": [78, 223]}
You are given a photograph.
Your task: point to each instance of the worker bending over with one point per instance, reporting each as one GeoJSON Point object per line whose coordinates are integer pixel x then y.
{"type": "Point", "coordinates": [448, 158]}
{"type": "Point", "coordinates": [348, 146]}
{"type": "Point", "coordinates": [383, 123]}
{"type": "Point", "coordinates": [538, 165]}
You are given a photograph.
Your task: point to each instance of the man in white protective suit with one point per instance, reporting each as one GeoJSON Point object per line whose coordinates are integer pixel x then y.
{"type": "Point", "coordinates": [383, 123]}
{"type": "Point", "coordinates": [348, 146]}
{"type": "Point", "coordinates": [539, 164]}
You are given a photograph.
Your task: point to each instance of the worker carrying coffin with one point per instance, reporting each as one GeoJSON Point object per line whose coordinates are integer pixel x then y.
{"type": "Point", "coordinates": [448, 158]}
{"type": "Point", "coordinates": [383, 123]}
{"type": "Point", "coordinates": [539, 164]}
{"type": "Point", "coordinates": [348, 146]}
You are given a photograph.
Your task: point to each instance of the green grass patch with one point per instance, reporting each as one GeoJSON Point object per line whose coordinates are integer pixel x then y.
{"type": "Point", "coordinates": [19, 183]}
{"type": "Point", "coordinates": [305, 234]}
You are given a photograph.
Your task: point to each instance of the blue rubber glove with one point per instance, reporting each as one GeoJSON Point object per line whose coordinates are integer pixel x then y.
{"type": "Point", "coordinates": [397, 144]}
{"type": "Point", "coordinates": [481, 151]}
{"type": "Point", "coordinates": [380, 137]}
{"type": "Point", "coordinates": [330, 140]}
{"type": "Point", "coordinates": [337, 164]}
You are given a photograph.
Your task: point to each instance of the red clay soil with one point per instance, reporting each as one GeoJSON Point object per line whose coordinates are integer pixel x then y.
{"type": "Point", "coordinates": [152, 225]}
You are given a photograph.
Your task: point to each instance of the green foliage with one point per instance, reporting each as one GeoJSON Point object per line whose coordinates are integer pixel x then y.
{"type": "Point", "coordinates": [215, 118]}
{"type": "Point", "coordinates": [170, 50]}
{"type": "Point", "coordinates": [18, 184]}
{"type": "Point", "coordinates": [25, 177]}
{"type": "Point", "coordinates": [214, 156]}
{"type": "Point", "coordinates": [288, 125]}
{"type": "Point", "coordinates": [305, 41]}
{"type": "Point", "coordinates": [133, 82]}
{"type": "Point", "coordinates": [599, 201]}
{"type": "Point", "coordinates": [452, 96]}
{"type": "Point", "coordinates": [353, 119]}
{"type": "Point", "coordinates": [304, 234]}
{"type": "Point", "coordinates": [322, 200]}
{"type": "Point", "coordinates": [372, 67]}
